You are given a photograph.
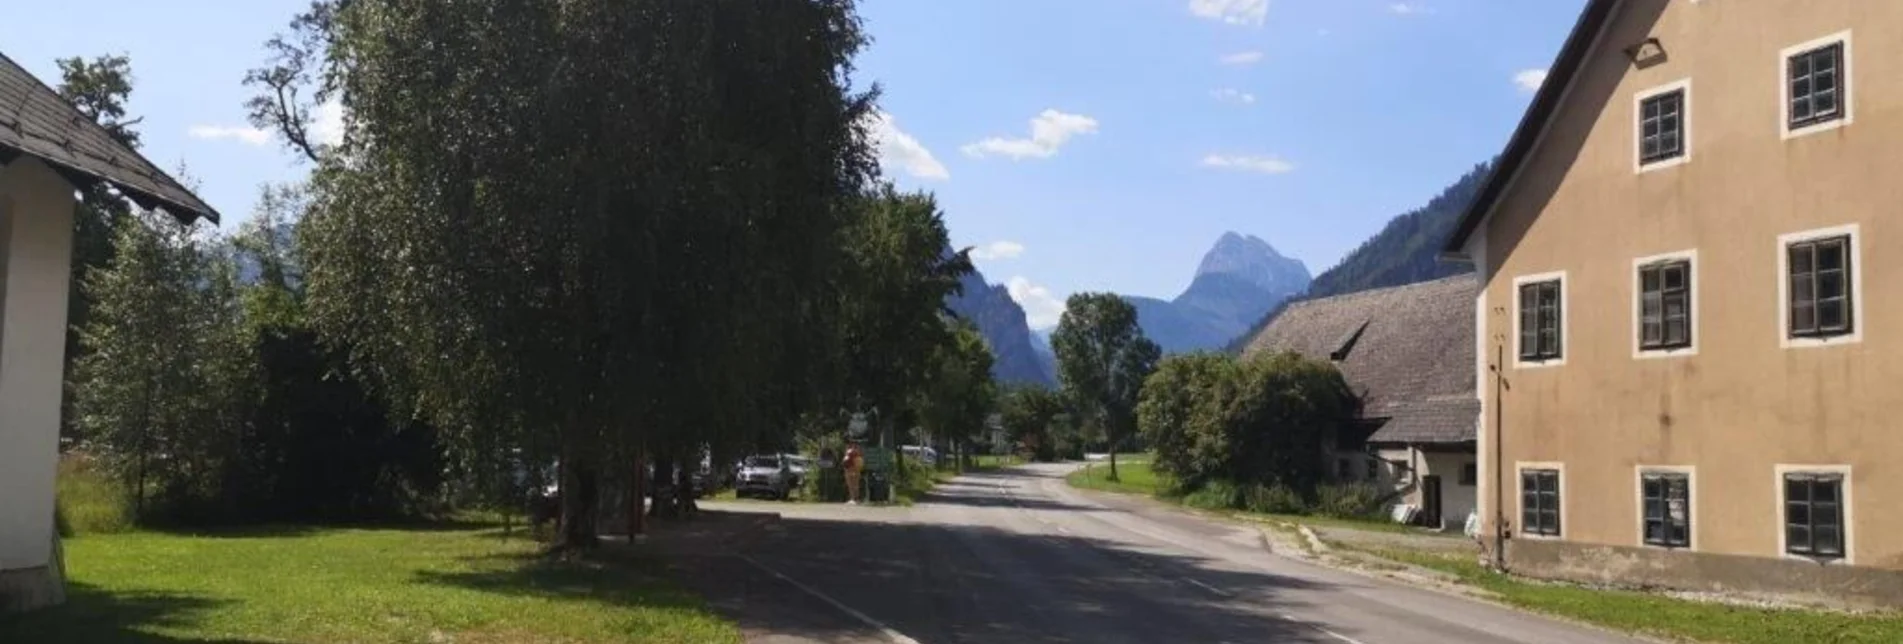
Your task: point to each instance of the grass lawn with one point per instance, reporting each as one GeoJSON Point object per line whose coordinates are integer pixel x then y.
{"type": "Point", "coordinates": [427, 584]}
{"type": "Point", "coordinates": [1660, 615]}
{"type": "Point", "coordinates": [1132, 478]}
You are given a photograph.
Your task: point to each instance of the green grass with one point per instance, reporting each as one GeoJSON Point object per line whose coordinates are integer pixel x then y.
{"type": "Point", "coordinates": [1132, 478]}
{"type": "Point", "coordinates": [437, 583]}
{"type": "Point", "coordinates": [1659, 615]}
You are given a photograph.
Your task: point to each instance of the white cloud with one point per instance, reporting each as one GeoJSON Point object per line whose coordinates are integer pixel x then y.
{"type": "Point", "coordinates": [1530, 80]}
{"type": "Point", "coordinates": [1248, 163]}
{"type": "Point", "coordinates": [1049, 131]}
{"type": "Point", "coordinates": [1235, 12]}
{"type": "Point", "coordinates": [1042, 310]}
{"type": "Point", "coordinates": [1001, 249]}
{"type": "Point", "coordinates": [1233, 95]}
{"type": "Point", "coordinates": [327, 122]}
{"type": "Point", "coordinates": [242, 133]}
{"type": "Point", "coordinates": [1241, 58]}
{"type": "Point", "coordinates": [900, 150]}
{"type": "Point", "coordinates": [1409, 8]}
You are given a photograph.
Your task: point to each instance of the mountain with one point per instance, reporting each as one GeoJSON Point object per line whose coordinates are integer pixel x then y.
{"type": "Point", "coordinates": [1015, 354]}
{"type": "Point", "coordinates": [1407, 250]}
{"type": "Point", "coordinates": [1239, 280]}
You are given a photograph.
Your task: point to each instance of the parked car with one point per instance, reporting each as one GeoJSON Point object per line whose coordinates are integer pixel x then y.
{"type": "Point", "coordinates": [773, 476]}
{"type": "Point", "coordinates": [922, 454]}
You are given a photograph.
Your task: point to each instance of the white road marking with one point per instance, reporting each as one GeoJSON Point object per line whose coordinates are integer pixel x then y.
{"type": "Point", "coordinates": [1213, 589]}
{"type": "Point", "coordinates": [1324, 631]}
{"type": "Point", "coordinates": [894, 636]}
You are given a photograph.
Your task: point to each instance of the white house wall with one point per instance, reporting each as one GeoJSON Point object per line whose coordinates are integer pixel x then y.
{"type": "Point", "coordinates": [36, 224]}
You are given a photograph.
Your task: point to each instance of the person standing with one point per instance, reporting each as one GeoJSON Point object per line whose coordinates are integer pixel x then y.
{"type": "Point", "coordinates": [854, 462]}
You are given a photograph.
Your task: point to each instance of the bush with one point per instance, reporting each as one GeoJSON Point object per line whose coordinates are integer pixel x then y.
{"type": "Point", "coordinates": [1348, 500]}
{"type": "Point", "coordinates": [1214, 495]}
{"type": "Point", "coordinates": [1273, 499]}
{"type": "Point", "coordinates": [90, 502]}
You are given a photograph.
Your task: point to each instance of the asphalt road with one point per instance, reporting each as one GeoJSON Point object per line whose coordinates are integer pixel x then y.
{"type": "Point", "coordinates": [1019, 556]}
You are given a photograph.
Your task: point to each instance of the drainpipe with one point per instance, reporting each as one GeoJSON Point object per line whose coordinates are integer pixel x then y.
{"type": "Point", "coordinates": [1499, 433]}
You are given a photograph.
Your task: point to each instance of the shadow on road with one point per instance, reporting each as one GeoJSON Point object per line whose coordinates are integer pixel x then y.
{"type": "Point", "coordinates": [974, 583]}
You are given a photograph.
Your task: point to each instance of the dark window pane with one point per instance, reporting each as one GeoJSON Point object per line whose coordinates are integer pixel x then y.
{"type": "Point", "coordinates": [1830, 315]}
{"type": "Point", "coordinates": [1801, 258]}
{"type": "Point", "coordinates": [1830, 283]}
{"type": "Point", "coordinates": [1797, 488]}
{"type": "Point", "coordinates": [1797, 538]}
{"type": "Point", "coordinates": [1825, 490]}
{"type": "Point", "coordinates": [1649, 280]}
{"type": "Point", "coordinates": [1676, 332]}
{"type": "Point", "coordinates": [1830, 255]}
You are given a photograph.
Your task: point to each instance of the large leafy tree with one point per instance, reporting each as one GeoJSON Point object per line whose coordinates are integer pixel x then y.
{"type": "Point", "coordinates": [1030, 414]}
{"type": "Point", "coordinates": [1102, 360]}
{"type": "Point", "coordinates": [587, 228]}
{"type": "Point", "coordinates": [958, 393]}
{"type": "Point", "coordinates": [1257, 421]}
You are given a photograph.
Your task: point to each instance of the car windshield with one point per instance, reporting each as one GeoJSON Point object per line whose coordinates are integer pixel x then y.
{"type": "Point", "coordinates": [763, 462]}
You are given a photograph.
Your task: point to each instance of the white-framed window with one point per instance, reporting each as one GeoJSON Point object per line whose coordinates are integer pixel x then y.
{"type": "Point", "coordinates": [1814, 512]}
{"type": "Point", "coordinates": [1818, 85]}
{"type": "Point", "coordinates": [1820, 287]}
{"type": "Point", "coordinates": [1661, 125]}
{"type": "Point", "coordinates": [1665, 305]}
{"type": "Point", "coordinates": [1539, 320]}
{"type": "Point", "coordinates": [1668, 496]}
{"type": "Point", "coordinates": [1542, 500]}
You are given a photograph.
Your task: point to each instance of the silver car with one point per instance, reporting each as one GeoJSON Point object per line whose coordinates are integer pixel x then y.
{"type": "Point", "coordinates": [773, 476]}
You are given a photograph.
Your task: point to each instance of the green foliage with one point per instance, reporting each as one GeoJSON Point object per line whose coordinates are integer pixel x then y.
{"type": "Point", "coordinates": [1349, 500]}
{"type": "Point", "coordinates": [1273, 499]}
{"type": "Point", "coordinates": [1102, 360]}
{"type": "Point", "coordinates": [1030, 415]}
{"type": "Point", "coordinates": [1260, 422]}
{"type": "Point", "coordinates": [1214, 494]}
{"type": "Point", "coordinates": [90, 502]}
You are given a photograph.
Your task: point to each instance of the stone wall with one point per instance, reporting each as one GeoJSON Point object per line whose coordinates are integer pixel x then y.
{"type": "Point", "coordinates": [1789, 579]}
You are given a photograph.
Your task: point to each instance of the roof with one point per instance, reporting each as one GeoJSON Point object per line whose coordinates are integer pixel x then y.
{"type": "Point", "coordinates": [35, 121]}
{"type": "Point", "coordinates": [1406, 351]}
{"type": "Point", "coordinates": [1572, 57]}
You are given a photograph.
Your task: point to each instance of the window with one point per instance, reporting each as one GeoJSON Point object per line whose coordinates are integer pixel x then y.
{"type": "Point", "coordinates": [1819, 295]}
{"type": "Point", "coordinates": [1816, 85]}
{"type": "Point", "coordinates": [1469, 474]}
{"type": "Point", "coordinates": [1668, 509]}
{"type": "Point", "coordinates": [1374, 469]}
{"type": "Point", "coordinates": [1662, 126]}
{"type": "Point", "coordinates": [1539, 502]}
{"type": "Point", "coordinates": [1344, 469]}
{"type": "Point", "coordinates": [1665, 305]}
{"type": "Point", "coordinates": [1813, 515]}
{"type": "Point", "coordinates": [1539, 321]}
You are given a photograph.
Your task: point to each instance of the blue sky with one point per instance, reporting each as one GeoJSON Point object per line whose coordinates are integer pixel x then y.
{"type": "Point", "coordinates": [1159, 124]}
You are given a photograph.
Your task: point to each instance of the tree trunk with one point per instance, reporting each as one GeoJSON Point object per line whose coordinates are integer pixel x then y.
{"type": "Point", "coordinates": [1110, 436]}
{"type": "Point", "coordinates": [684, 491]}
{"type": "Point", "coordinates": [579, 504]}
{"type": "Point", "coordinates": [663, 506]}
{"type": "Point", "coordinates": [637, 494]}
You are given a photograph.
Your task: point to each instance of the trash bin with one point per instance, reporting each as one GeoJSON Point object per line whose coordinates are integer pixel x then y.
{"type": "Point", "coordinates": [832, 485]}
{"type": "Point", "coordinates": [878, 487]}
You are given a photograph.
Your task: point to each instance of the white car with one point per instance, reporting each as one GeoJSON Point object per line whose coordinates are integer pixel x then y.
{"type": "Point", "coordinates": [921, 453]}
{"type": "Point", "coordinates": [772, 476]}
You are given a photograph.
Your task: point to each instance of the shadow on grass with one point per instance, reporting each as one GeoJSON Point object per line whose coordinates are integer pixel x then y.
{"type": "Point", "coordinates": [613, 576]}
{"type": "Point", "coordinates": [291, 530]}
{"type": "Point", "coordinates": [94, 615]}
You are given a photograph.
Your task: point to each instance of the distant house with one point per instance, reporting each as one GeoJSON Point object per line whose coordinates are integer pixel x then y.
{"type": "Point", "coordinates": [47, 150]}
{"type": "Point", "coordinates": [1687, 254]}
{"type": "Point", "coordinates": [1408, 353]}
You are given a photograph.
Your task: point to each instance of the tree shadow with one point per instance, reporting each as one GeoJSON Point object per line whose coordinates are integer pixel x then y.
{"type": "Point", "coordinates": [95, 615]}
{"type": "Point", "coordinates": [293, 530]}
{"type": "Point", "coordinates": [979, 493]}
{"type": "Point", "coordinates": [978, 583]}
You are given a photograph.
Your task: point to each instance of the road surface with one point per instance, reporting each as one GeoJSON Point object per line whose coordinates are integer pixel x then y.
{"type": "Point", "coordinates": [1019, 556]}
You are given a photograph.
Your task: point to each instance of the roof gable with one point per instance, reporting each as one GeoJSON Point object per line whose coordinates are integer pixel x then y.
{"type": "Point", "coordinates": [1407, 351]}
{"type": "Point", "coordinates": [1572, 57]}
{"type": "Point", "coordinates": [35, 121]}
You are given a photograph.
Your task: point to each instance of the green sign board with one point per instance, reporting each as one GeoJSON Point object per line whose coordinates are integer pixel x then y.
{"type": "Point", "coordinates": [878, 459]}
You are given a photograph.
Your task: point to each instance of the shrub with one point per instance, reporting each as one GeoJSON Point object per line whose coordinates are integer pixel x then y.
{"type": "Point", "coordinates": [1214, 495]}
{"type": "Point", "coordinates": [1348, 500]}
{"type": "Point", "coordinates": [1273, 499]}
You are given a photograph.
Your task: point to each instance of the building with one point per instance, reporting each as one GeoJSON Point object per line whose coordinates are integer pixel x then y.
{"type": "Point", "coordinates": [47, 151]}
{"type": "Point", "coordinates": [1407, 352]}
{"type": "Point", "coordinates": [1682, 252]}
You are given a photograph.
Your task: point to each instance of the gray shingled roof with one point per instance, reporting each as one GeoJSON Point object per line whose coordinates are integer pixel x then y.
{"type": "Point", "coordinates": [1409, 354]}
{"type": "Point", "coordinates": [34, 120]}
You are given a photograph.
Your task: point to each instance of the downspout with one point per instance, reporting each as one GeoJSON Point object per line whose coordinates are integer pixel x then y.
{"type": "Point", "coordinates": [1499, 511]}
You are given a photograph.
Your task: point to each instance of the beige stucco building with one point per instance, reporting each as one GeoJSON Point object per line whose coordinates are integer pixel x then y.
{"type": "Point", "coordinates": [1685, 252]}
{"type": "Point", "coordinates": [47, 151]}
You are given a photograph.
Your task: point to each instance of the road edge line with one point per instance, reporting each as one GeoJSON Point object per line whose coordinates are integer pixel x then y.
{"type": "Point", "coordinates": [890, 634]}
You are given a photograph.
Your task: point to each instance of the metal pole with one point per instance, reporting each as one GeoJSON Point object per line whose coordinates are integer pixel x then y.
{"type": "Point", "coordinates": [1499, 482]}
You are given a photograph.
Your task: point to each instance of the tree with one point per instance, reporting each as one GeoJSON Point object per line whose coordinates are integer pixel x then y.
{"type": "Point", "coordinates": [589, 230]}
{"type": "Point", "coordinates": [894, 295]}
{"type": "Point", "coordinates": [1182, 413]}
{"type": "Point", "coordinates": [1102, 360]}
{"type": "Point", "coordinates": [1030, 415]}
{"type": "Point", "coordinates": [958, 394]}
{"type": "Point", "coordinates": [1261, 421]}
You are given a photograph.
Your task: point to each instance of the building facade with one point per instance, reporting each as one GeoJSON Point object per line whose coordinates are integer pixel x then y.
{"type": "Point", "coordinates": [47, 151]}
{"type": "Point", "coordinates": [1407, 353]}
{"type": "Point", "coordinates": [1687, 363]}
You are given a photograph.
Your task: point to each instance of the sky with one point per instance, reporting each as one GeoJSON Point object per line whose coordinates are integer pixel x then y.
{"type": "Point", "coordinates": [1077, 145]}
